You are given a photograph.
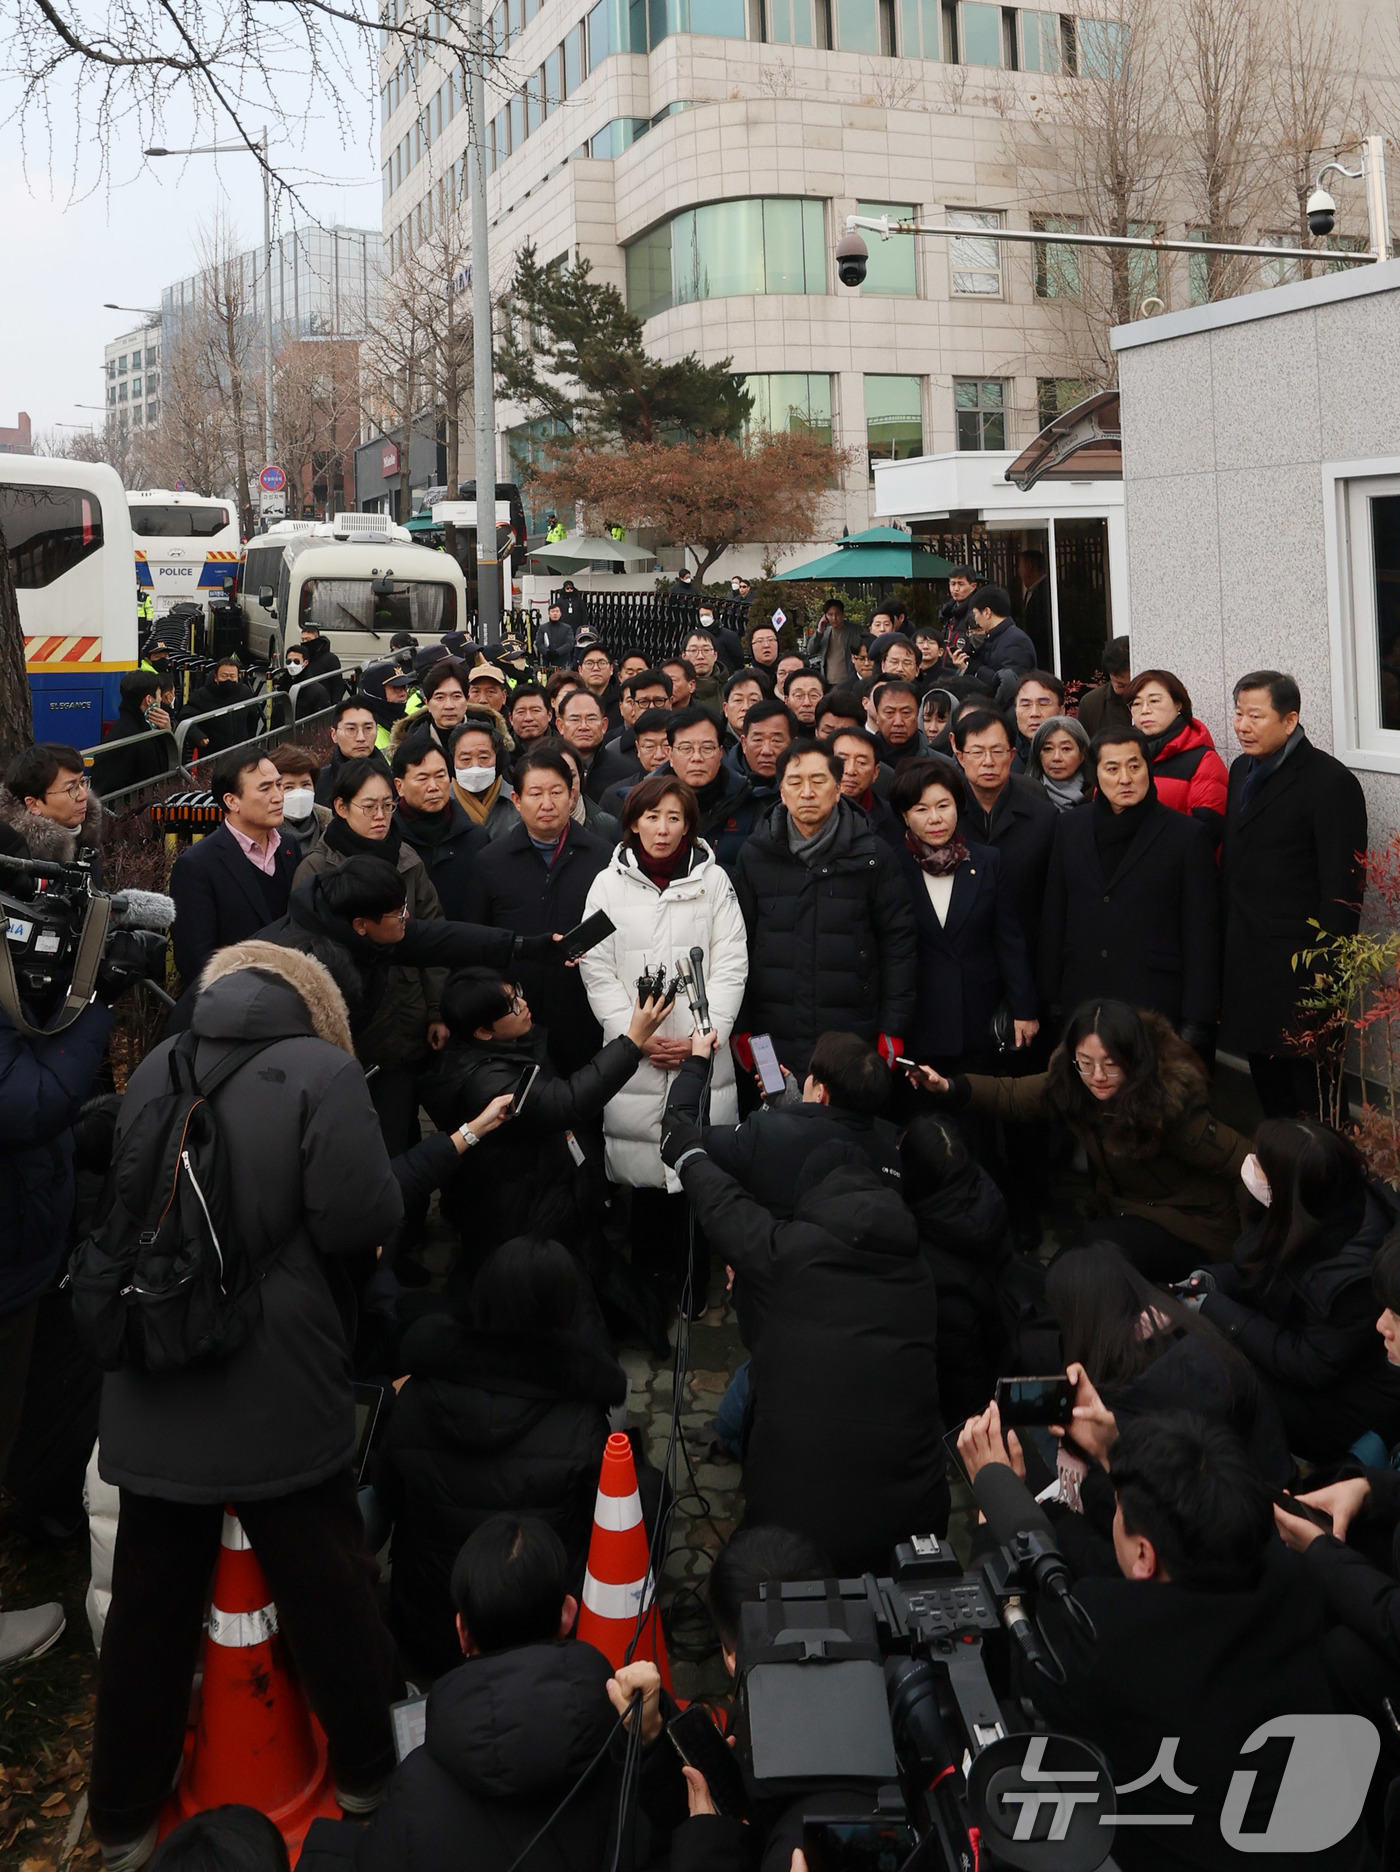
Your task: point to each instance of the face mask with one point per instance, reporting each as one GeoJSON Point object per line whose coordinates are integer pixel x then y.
{"type": "Point", "coordinates": [298, 802]}
{"type": "Point", "coordinates": [474, 779]}
{"type": "Point", "coordinates": [294, 669]}
{"type": "Point", "coordinates": [1255, 1181]}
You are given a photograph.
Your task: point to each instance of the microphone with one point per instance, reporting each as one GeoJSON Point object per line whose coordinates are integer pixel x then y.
{"type": "Point", "coordinates": [685, 976]}
{"type": "Point", "coordinates": [142, 910]}
{"type": "Point", "coordinates": [1018, 1521]}
{"type": "Point", "coordinates": [697, 963]}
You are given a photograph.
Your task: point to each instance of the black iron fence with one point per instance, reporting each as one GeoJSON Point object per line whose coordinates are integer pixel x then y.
{"type": "Point", "coordinates": [656, 623]}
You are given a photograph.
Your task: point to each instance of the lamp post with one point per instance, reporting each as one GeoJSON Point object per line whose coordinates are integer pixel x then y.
{"type": "Point", "coordinates": [488, 586]}
{"type": "Point", "coordinates": [243, 149]}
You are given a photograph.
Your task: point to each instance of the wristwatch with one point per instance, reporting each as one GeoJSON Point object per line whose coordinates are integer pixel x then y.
{"type": "Point", "coordinates": [468, 1136]}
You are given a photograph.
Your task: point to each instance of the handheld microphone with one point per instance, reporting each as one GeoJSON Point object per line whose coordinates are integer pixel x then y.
{"type": "Point", "coordinates": [685, 976]}
{"type": "Point", "coordinates": [697, 963]}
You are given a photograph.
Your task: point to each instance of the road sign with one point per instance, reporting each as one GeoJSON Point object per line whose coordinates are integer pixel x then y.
{"type": "Point", "coordinates": [272, 480]}
{"type": "Point", "coordinates": [272, 506]}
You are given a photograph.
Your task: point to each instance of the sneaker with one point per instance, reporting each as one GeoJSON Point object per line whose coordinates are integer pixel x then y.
{"type": "Point", "coordinates": [26, 1635]}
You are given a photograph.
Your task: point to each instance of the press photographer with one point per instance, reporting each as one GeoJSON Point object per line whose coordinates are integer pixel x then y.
{"type": "Point", "coordinates": [61, 968]}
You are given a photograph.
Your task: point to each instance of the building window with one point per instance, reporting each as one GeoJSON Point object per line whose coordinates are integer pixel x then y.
{"type": "Point", "coordinates": [121, 393]}
{"type": "Point", "coordinates": [1101, 48]}
{"type": "Point", "coordinates": [894, 423]}
{"type": "Point", "coordinates": [790, 22]}
{"type": "Point", "coordinates": [111, 367]}
{"type": "Point", "coordinates": [981, 33]}
{"type": "Point", "coordinates": [796, 402]}
{"type": "Point", "coordinates": [1204, 271]}
{"type": "Point", "coordinates": [891, 271]}
{"type": "Point", "coordinates": [150, 414]}
{"type": "Point", "coordinates": [1040, 42]}
{"type": "Point", "coordinates": [1374, 528]}
{"type": "Point", "coordinates": [865, 26]}
{"type": "Point", "coordinates": [614, 137]}
{"type": "Point", "coordinates": [728, 249]}
{"type": "Point", "coordinates": [918, 29]}
{"type": "Point", "coordinates": [975, 261]}
{"type": "Point", "coordinates": [1056, 264]}
{"type": "Point", "coordinates": [121, 364]}
{"type": "Point", "coordinates": [1055, 395]}
{"type": "Point", "coordinates": [111, 393]}
{"type": "Point", "coordinates": [979, 407]}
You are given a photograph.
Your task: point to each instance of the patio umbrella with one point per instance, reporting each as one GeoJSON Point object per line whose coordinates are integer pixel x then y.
{"type": "Point", "coordinates": [879, 553]}
{"type": "Point", "coordinates": [568, 555]}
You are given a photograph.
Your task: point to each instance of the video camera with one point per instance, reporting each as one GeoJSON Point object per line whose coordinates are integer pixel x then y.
{"type": "Point", "coordinates": [876, 1689]}
{"type": "Point", "coordinates": [65, 939]}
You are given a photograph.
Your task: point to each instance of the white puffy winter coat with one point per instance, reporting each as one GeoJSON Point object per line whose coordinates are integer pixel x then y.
{"type": "Point", "coordinates": [652, 926]}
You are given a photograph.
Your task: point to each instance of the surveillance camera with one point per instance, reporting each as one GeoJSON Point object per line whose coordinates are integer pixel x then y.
{"type": "Point", "coordinates": [1322, 212]}
{"type": "Point", "coordinates": [852, 258]}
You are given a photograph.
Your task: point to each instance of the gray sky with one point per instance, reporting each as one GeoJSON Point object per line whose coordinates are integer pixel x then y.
{"type": "Point", "coordinates": [125, 241]}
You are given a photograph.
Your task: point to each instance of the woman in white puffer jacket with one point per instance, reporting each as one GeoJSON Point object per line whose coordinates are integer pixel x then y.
{"type": "Point", "coordinates": [665, 893]}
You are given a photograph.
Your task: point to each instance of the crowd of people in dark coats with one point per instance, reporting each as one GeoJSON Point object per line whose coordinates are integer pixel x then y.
{"type": "Point", "coordinates": [976, 962]}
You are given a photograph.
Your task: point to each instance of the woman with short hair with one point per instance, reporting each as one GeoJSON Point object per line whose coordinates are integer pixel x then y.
{"type": "Point", "coordinates": [1058, 762]}
{"type": "Point", "coordinates": [1190, 776]}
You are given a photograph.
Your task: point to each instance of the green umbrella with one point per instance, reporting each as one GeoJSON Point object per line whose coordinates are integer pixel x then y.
{"type": "Point", "coordinates": [878, 553]}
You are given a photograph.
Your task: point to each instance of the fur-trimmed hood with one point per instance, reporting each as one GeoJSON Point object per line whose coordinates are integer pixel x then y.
{"type": "Point", "coordinates": [45, 837]}
{"type": "Point", "coordinates": [505, 740]}
{"type": "Point", "coordinates": [1184, 1091]}
{"type": "Point", "coordinates": [309, 979]}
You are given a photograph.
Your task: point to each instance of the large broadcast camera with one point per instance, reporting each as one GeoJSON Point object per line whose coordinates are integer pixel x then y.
{"type": "Point", "coordinates": [878, 1688]}
{"type": "Point", "coordinates": [66, 940]}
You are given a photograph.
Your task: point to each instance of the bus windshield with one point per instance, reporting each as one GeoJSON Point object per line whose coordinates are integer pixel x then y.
{"type": "Point", "coordinates": [384, 605]}
{"type": "Point", "coordinates": [151, 522]}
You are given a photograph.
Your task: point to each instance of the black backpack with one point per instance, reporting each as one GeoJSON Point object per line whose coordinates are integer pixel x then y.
{"type": "Point", "coordinates": [163, 1281]}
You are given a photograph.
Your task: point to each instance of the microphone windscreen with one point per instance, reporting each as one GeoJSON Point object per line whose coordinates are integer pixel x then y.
{"type": "Point", "coordinates": [142, 910]}
{"type": "Point", "coordinates": [1009, 1506]}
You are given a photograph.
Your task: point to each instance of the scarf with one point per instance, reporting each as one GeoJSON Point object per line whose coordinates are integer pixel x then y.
{"type": "Point", "coordinates": [1115, 832]}
{"type": "Point", "coordinates": [1062, 794]}
{"type": "Point", "coordinates": [1157, 742]}
{"type": "Point", "coordinates": [1261, 769]}
{"type": "Point", "coordinates": [812, 850]}
{"type": "Point", "coordinates": [662, 870]}
{"type": "Point", "coordinates": [578, 812]}
{"type": "Point", "coordinates": [478, 805]}
{"type": "Point", "coordinates": [549, 849]}
{"type": "Point", "coordinates": [342, 838]}
{"type": "Point", "coordinates": [430, 828]}
{"type": "Point", "coordinates": [937, 860]}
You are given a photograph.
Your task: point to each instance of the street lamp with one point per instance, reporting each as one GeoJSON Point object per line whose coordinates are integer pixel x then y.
{"type": "Point", "coordinates": [153, 312]}
{"type": "Point", "coordinates": [241, 149]}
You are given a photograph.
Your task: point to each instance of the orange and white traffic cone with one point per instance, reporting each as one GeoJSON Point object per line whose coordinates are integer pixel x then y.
{"type": "Point", "coordinates": [256, 1742]}
{"type": "Point", "coordinates": [618, 1582]}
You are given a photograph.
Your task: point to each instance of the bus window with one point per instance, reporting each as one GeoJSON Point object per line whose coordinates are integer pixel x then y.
{"type": "Point", "coordinates": [49, 530]}
{"type": "Point", "coordinates": [356, 604]}
{"type": "Point", "coordinates": [261, 568]}
{"type": "Point", "coordinates": [151, 522]}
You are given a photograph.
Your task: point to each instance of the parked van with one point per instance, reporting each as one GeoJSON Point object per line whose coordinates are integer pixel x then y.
{"type": "Point", "coordinates": [358, 578]}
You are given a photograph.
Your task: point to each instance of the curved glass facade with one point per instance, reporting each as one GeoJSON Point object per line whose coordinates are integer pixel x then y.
{"type": "Point", "coordinates": [762, 244]}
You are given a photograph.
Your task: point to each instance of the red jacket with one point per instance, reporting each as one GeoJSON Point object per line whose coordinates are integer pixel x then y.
{"type": "Point", "coordinates": [1191, 777]}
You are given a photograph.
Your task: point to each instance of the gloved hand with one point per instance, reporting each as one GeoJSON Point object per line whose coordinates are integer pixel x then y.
{"type": "Point", "coordinates": [742, 1050]}
{"type": "Point", "coordinates": [1195, 1287]}
{"type": "Point", "coordinates": [129, 957]}
{"type": "Point", "coordinates": [544, 948]}
{"type": "Point", "coordinates": [679, 1134]}
{"type": "Point", "coordinates": [891, 1048]}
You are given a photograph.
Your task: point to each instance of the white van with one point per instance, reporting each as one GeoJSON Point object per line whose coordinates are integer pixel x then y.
{"type": "Point", "coordinates": [358, 578]}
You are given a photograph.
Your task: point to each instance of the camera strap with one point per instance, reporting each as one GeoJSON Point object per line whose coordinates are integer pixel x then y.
{"type": "Point", "coordinates": [92, 941]}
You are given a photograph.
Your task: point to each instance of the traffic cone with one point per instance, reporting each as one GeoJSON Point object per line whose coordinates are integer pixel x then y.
{"type": "Point", "coordinates": [255, 1742]}
{"type": "Point", "coordinates": [618, 1579]}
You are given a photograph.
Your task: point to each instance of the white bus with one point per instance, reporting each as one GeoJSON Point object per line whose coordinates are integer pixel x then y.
{"type": "Point", "coordinates": [70, 545]}
{"type": "Point", "coordinates": [187, 547]}
{"type": "Point", "coordinates": [359, 578]}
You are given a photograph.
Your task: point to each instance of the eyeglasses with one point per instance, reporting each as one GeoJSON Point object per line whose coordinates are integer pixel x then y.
{"type": "Point", "coordinates": [696, 748]}
{"type": "Point", "coordinates": [517, 1002]}
{"type": "Point", "coordinates": [379, 809]}
{"type": "Point", "coordinates": [1097, 1069]}
{"type": "Point", "coordinates": [75, 789]}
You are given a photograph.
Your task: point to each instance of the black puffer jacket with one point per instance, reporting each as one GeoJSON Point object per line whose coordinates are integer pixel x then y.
{"type": "Point", "coordinates": [523, 1178]}
{"type": "Point", "coordinates": [843, 1439]}
{"type": "Point", "coordinates": [311, 1186]}
{"type": "Point", "coordinates": [1311, 1329]}
{"type": "Point", "coordinates": [488, 1423]}
{"type": "Point", "coordinates": [449, 845]}
{"type": "Point", "coordinates": [965, 1236]}
{"type": "Point", "coordinates": [831, 945]}
{"type": "Point", "coordinates": [1189, 1375]}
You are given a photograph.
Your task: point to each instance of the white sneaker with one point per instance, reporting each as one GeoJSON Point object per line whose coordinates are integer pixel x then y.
{"type": "Point", "coordinates": [29, 1634]}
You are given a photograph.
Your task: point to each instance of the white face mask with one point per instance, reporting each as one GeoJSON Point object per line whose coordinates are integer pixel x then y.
{"type": "Point", "coordinates": [1254, 1180]}
{"type": "Point", "coordinates": [474, 779]}
{"type": "Point", "coordinates": [297, 802]}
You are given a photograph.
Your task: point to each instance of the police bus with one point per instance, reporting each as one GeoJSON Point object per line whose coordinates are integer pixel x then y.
{"type": "Point", "coordinates": [70, 544]}
{"type": "Point", "coordinates": [187, 547]}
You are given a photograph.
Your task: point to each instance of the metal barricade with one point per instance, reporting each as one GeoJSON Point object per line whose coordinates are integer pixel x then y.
{"type": "Point", "coordinates": [656, 623]}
